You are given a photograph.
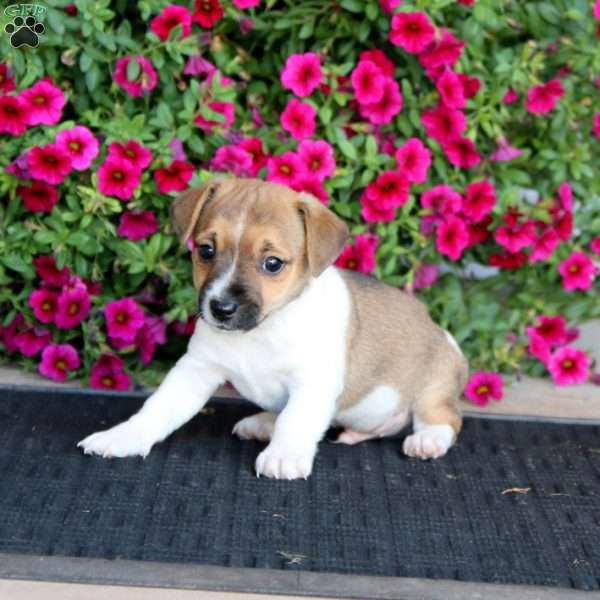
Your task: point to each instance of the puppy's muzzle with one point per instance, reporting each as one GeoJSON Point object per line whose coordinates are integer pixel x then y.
{"type": "Point", "coordinates": [223, 309]}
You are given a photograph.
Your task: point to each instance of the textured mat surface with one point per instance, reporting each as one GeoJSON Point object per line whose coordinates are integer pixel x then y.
{"type": "Point", "coordinates": [365, 510]}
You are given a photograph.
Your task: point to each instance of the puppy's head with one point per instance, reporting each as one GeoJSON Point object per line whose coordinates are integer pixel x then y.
{"type": "Point", "coordinates": [255, 246]}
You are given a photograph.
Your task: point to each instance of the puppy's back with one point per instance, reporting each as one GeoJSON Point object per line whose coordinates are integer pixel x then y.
{"type": "Point", "coordinates": [392, 340]}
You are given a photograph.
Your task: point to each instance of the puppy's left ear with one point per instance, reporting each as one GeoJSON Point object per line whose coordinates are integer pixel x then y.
{"type": "Point", "coordinates": [325, 234]}
{"type": "Point", "coordinates": [187, 208]}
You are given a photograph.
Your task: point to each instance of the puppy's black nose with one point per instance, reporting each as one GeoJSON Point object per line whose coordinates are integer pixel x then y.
{"type": "Point", "coordinates": [223, 310]}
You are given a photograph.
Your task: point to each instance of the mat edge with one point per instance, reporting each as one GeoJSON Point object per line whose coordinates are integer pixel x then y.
{"type": "Point", "coordinates": [237, 401]}
{"type": "Point", "coordinates": [100, 571]}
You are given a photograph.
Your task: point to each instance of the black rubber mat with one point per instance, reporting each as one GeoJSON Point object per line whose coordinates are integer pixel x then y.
{"type": "Point", "coordinates": [513, 502]}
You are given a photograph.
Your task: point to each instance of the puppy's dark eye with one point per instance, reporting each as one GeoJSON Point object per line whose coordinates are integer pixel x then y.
{"type": "Point", "coordinates": [272, 264]}
{"type": "Point", "coordinates": [206, 251]}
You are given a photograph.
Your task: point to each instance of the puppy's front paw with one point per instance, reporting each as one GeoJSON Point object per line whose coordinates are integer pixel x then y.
{"type": "Point", "coordinates": [430, 442]}
{"type": "Point", "coordinates": [257, 427]}
{"type": "Point", "coordinates": [279, 462]}
{"type": "Point", "coordinates": [127, 439]}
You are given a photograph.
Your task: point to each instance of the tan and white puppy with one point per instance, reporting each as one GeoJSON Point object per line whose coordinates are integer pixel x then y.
{"type": "Point", "coordinates": [312, 345]}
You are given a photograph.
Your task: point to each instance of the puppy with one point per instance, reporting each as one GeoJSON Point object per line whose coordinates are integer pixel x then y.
{"type": "Point", "coordinates": [312, 345]}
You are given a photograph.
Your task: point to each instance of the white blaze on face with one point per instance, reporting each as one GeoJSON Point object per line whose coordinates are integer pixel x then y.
{"type": "Point", "coordinates": [219, 285]}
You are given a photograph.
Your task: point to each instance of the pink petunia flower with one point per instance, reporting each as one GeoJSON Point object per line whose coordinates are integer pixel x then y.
{"type": "Point", "coordinates": [553, 330]}
{"type": "Point", "coordinates": [443, 123]}
{"type": "Point", "coordinates": [471, 85]}
{"type": "Point", "coordinates": [7, 79]}
{"type": "Point", "coordinates": [596, 10]}
{"type": "Point", "coordinates": [44, 102]}
{"type": "Point", "coordinates": [479, 232]}
{"type": "Point", "coordinates": [367, 81]}
{"type": "Point", "coordinates": [544, 245]}
{"type": "Point", "coordinates": [32, 340]}
{"type": "Point", "coordinates": [233, 159]}
{"type": "Point", "coordinates": [58, 360]}
{"type": "Point", "coordinates": [298, 119]}
{"type": "Point", "coordinates": [541, 99]}
{"type": "Point", "coordinates": [484, 385]}
{"type": "Point", "coordinates": [80, 145]}
{"type": "Point", "coordinates": [177, 149]}
{"type": "Point", "coordinates": [505, 152]}
{"type": "Point", "coordinates": [452, 237]}
{"type": "Point", "coordinates": [124, 318]}
{"type": "Point", "coordinates": [152, 333]}
{"type": "Point", "coordinates": [375, 211]}
{"type": "Point", "coordinates": [8, 334]}
{"type": "Point", "coordinates": [389, 6]}
{"type": "Point", "coordinates": [253, 146]}
{"type": "Point", "coordinates": [383, 111]}
{"type": "Point", "coordinates": [577, 272]}
{"type": "Point", "coordinates": [245, 4]}
{"type": "Point", "coordinates": [515, 236]}
{"type": "Point", "coordinates": [198, 66]}
{"type": "Point", "coordinates": [461, 152]}
{"type": "Point", "coordinates": [175, 177]}
{"type": "Point", "coordinates": [137, 225]}
{"type": "Point", "coordinates": [302, 74]}
{"type": "Point", "coordinates": [317, 157]}
{"type": "Point", "coordinates": [595, 245]}
{"type": "Point", "coordinates": [49, 163]}
{"type": "Point", "coordinates": [359, 256]}
{"type": "Point", "coordinates": [172, 16]}
{"type": "Point", "coordinates": [412, 31]}
{"type": "Point", "coordinates": [207, 13]}
{"type": "Point", "coordinates": [19, 167]}
{"type": "Point", "coordinates": [38, 197]}
{"type": "Point", "coordinates": [226, 109]}
{"type": "Point", "coordinates": [287, 169]}
{"type": "Point", "coordinates": [441, 200]}
{"type": "Point", "coordinates": [596, 125]}
{"type": "Point", "coordinates": [73, 306]}
{"type": "Point", "coordinates": [538, 347]}
{"type": "Point", "coordinates": [389, 190]}
{"type": "Point", "coordinates": [508, 261]}
{"type": "Point", "coordinates": [312, 185]}
{"type": "Point", "coordinates": [131, 151]}
{"type": "Point", "coordinates": [451, 90]}
{"type": "Point", "coordinates": [510, 97]}
{"type": "Point", "coordinates": [143, 83]}
{"type": "Point", "coordinates": [565, 196]}
{"type": "Point", "coordinates": [117, 177]}
{"type": "Point", "coordinates": [444, 52]}
{"type": "Point", "coordinates": [13, 115]}
{"type": "Point", "coordinates": [378, 58]}
{"type": "Point", "coordinates": [479, 200]}
{"type": "Point", "coordinates": [107, 373]}
{"type": "Point", "coordinates": [425, 276]}
{"type": "Point", "coordinates": [47, 271]}
{"type": "Point", "coordinates": [413, 160]}
{"type": "Point", "coordinates": [569, 366]}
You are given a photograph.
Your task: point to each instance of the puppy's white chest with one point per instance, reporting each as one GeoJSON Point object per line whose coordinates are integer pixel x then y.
{"type": "Point", "coordinates": [266, 389]}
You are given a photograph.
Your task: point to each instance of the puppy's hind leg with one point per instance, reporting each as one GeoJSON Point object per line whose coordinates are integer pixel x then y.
{"type": "Point", "coordinates": [257, 427]}
{"type": "Point", "coordinates": [436, 424]}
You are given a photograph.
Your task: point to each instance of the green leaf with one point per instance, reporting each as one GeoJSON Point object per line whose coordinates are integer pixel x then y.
{"type": "Point", "coordinates": [133, 70]}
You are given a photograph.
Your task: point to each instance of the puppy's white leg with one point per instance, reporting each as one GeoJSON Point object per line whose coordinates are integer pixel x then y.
{"type": "Point", "coordinates": [257, 427]}
{"type": "Point", "coordinates": [184, 391]}
{"type": "Point", "coordinates": [428, 441]}
{"type": "Point", "coordinates": [297, 432]}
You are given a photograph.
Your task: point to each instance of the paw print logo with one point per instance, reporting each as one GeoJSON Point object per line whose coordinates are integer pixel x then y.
{"type": "Point", "coordinates": [24, 32]}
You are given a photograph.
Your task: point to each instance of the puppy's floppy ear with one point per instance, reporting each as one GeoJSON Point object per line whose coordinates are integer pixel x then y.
{"type": "Point", "coordinates": [325, 234]}
{"type": "Point", "coordinates": [187, 207]}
